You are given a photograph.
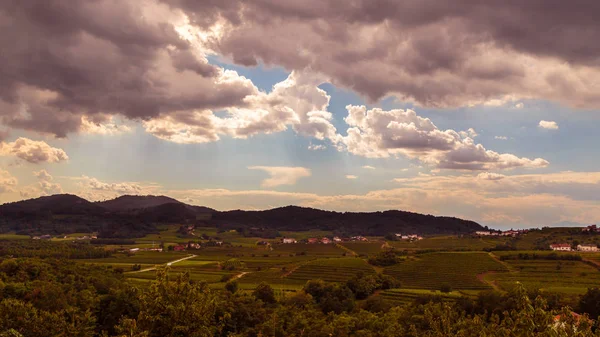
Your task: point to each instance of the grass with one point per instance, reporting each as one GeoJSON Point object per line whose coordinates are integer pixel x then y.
{"type": "Point", "coordinates": [448, 243]}
{"type": "Point", "coordinates": [363, 248]}
{"type": "Point", "coordinates": [331, 270]}
{"type": "Point", "coordinates": [151, 258]}
{"type": "Point", "coordinates": [13, 236]}
{"type": "Point", "coordinates": [408, 296]}
{"type": "Point", "coordinates": [314, 250]}
{"type": "Point", "coordinates": [431, 271]}
{"type": "Point", "coordinates": [573, 277]}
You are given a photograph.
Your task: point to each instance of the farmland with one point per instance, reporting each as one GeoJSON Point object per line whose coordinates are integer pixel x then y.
{"type": "Point", "coordinates": [432, 271]}
{"type": "Point", "coordinates": [332, 270]}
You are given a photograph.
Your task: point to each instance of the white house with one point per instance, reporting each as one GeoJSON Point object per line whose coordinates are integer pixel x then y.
{"type": "Point", "coordinates": [587, 248]}
{"type": "Point", "coordinates": [337, 239]}
{"type": "Point", "coordinates": [289, 240]}
{"type": "Point", "coordinates": [565, 247]}
{"type": "Point", "coordinates": [483, 233]}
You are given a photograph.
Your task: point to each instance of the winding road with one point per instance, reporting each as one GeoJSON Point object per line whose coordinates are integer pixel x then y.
{"type": "Point", "coordinates": [166, 264]}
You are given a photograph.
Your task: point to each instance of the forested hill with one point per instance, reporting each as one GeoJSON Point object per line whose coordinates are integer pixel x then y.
{"type": "Point", "coordinates": [135, 216]}
{"type": "Point", "coordinates": [293, 218]}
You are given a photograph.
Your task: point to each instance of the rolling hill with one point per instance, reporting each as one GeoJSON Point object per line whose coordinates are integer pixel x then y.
{"type": "Point", "coordinates": [131, 216]}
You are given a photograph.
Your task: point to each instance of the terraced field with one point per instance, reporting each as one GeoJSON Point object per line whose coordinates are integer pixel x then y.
{"type": "Point", "coordinates": [150, 258]}
{"type": "Point", "coordinates": [572, 277]}
{"type": "Point", "coordinates": [448, 243]}
{"type": "Point", "coordinates": [364, 248]}
{"type": "Point", "coordinates": [331, 270]}
{"type": "Point", "coordinates": [314, 250]}
{"type": "Point", "coordinates": [459, 270]}
{"type": "Point", "coordinates": [408, 296]}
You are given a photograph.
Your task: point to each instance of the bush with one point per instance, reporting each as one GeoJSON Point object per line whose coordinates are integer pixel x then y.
{"type": "Point", "coordinates": [446, 288]}
{"type": "Point", "coordinates": [265, 293]}
{"type": "Point", "coordinates": [232, 286]}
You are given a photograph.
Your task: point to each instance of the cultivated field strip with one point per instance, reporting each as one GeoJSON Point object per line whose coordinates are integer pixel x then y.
{"type": "Point", "coordinates": [332, 270]}
{"type": "Point", "coordinates": [458, 270]}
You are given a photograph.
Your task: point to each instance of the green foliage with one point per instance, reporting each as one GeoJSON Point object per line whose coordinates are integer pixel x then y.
{"type": "Point", "coordinates": [231, 286]}
{"type": "Point", "coordinates": [385, 258]}
{"type": "Point", "coordinates": [265, 293]}
{"type": "Point", "coordinates": [590, 303]}
{"type": "Point", "coordinates": [446, 288]}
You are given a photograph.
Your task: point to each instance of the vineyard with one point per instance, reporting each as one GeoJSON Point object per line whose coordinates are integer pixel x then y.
{"type": "Point", "coordinates": [332, 270]}
{"type": "Point", "coordinates": [364, 248]}
{"type": "Point", "coordinates": [432, 271]}
{"type": "Point", "coordinates": [408, 296]}
{"type": "Point", "coordinates": [558, 276]}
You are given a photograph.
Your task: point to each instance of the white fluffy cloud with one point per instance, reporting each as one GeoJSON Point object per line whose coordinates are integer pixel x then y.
{"type": "Point", "coordinates": [549, 125]}
{"type": "Point", "coordinates": [46, 184]}
{"type": "Point", "coordinates": [7, 182]}
{"type": "Point", "coordinates": [368, 167]}
{"type": "Point", "coordinates": [351, 177]}
{"type": "Point", "coordinates": [378, 133]}
{"type": "Point", "coordinates": [33, 151]}
{"type": "Point", "coordinates": [281, 175]}
{"type": "Point", "coordinates": [296, 102]}
{"type": "Point", "coordinates": [316, 147]}
{"type": "Point", "coordinates": [103, 127]}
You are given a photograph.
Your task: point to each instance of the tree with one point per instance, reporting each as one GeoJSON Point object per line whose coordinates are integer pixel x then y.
{"type": "Point", "coordinates": [265, 293]}
{"type": "Point", "coordinates": [446, 288]}
{"type": "Point", "coordinates": [590, 303]}
{"type": "Point", "coordinates": [177, 307]}
{"type": "Point", "coordinates": [231, 286]}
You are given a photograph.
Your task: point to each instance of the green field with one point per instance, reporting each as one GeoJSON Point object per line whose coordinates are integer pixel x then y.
{"type": "Point", "coordinates": [449, 243]}
{"type": "Point", "coordinates": [363, 248]}
{"type": "Point", "coordinates": [431, 271]}
{"type": "Point", "coordinates": [408, 296]}
{"type": "Point", "coordinates": [572, 277]}
{"type": "Point", "coordinates": [331, 270]}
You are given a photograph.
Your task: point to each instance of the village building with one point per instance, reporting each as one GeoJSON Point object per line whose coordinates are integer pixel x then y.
{"type": "Point", "coordinates": [590, 228]}
{"type": "Point", "coordinates": [358, 238]}
{"type": "Point", "coordinates": [313, 240]}
{"type": "Point", "coordinates": [483, 233]}
{"type": "Point", "coordinates": [133, 250]}
{"type": "Point", "coordinates": [325, 240]}
{"type": "Point", "coordinates": [565, 247]}
{"type": "Point", "coordinates": [587, 248]}
{"type": "Point", "coordinates": [179, 248]}
{"type": "Point", "coordinates": [337, 239]}
{"type": "Point", "coordinates": [288, 240]}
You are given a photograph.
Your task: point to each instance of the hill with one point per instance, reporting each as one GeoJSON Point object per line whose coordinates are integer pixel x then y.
{"type": "Point", "coordinates": [293, 218]}
{"type": "Point", "coordinates": [54, 204]}
{"type": "Point", "coordinates": [134, 216]}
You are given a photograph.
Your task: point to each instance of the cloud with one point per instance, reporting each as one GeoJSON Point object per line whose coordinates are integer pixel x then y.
{"type": "Point", "coordinates": [45, 184]}
{"type": "Point", "coordinates": [469, 133]}
{"type": "Point", "coordinates": [519, 105]}
{"type": "Point", "coordinates": [104, 58]}
{"type": "Point", "coordinates": [501, 137]}
{"type": "Point", "coordinates": [7, 182]}
{"type": "Point", "coordinates": [33, 151]}
{"type": "Point", "coordinates": [316, 147]}
{"type": "Point", "coordinates": [106, 126]}
{"type": "Point", "coordinates": [548, 125]}
{"type": "Point", "coordinates": [351, 177]}
{"type": "Point", "coordinates": [378, 133]}
{"type": "Point", "coordinates": [296, 102]}
{"type": "Point", "coordinates": [426, 52]}
{"type": "Point", "coordinates": [281, 175]}
{"type": "Point", "coordinates": [490, 176]}
{"type": "Point", "coordinates": [368, 167]}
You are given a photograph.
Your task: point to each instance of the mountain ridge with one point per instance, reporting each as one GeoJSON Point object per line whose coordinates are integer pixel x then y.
{"type": "Point", "coordinates": [134, 216]}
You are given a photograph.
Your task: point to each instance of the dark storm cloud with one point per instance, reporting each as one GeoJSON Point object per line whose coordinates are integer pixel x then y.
{"type": "Point", "coordinates": [439, 53]}
{"type": "Point", "coordinates": [62, 59]}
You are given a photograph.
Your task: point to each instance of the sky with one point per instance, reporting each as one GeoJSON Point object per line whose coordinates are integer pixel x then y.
{"type": "Point", "coordinates": [486, 111]}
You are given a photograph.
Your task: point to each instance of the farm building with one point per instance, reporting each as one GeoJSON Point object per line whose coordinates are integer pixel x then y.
{"type": "Point", "coordinates": [326, 240]}
{"type": "Point", "coordinates": [587, 248]}
{"type": "Point", "coordinates": [313, 240]}
{"type": "Point", "coordinates": [359, 238]}
{"type": "Point", "coordinates": [179, 248]}
{"type": "Point", "coordinates": [133, 250]}
{"type": "Point", "coordinates": [483, 233]}
{"type": "Point", "coordinates": [288, 240]}
{"type": "Point", "coordinates": [561, 247]}
{"type": "Point", "coordinates": [590, 228]}
{"type": "Point", "coordinates": [337, 239]}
